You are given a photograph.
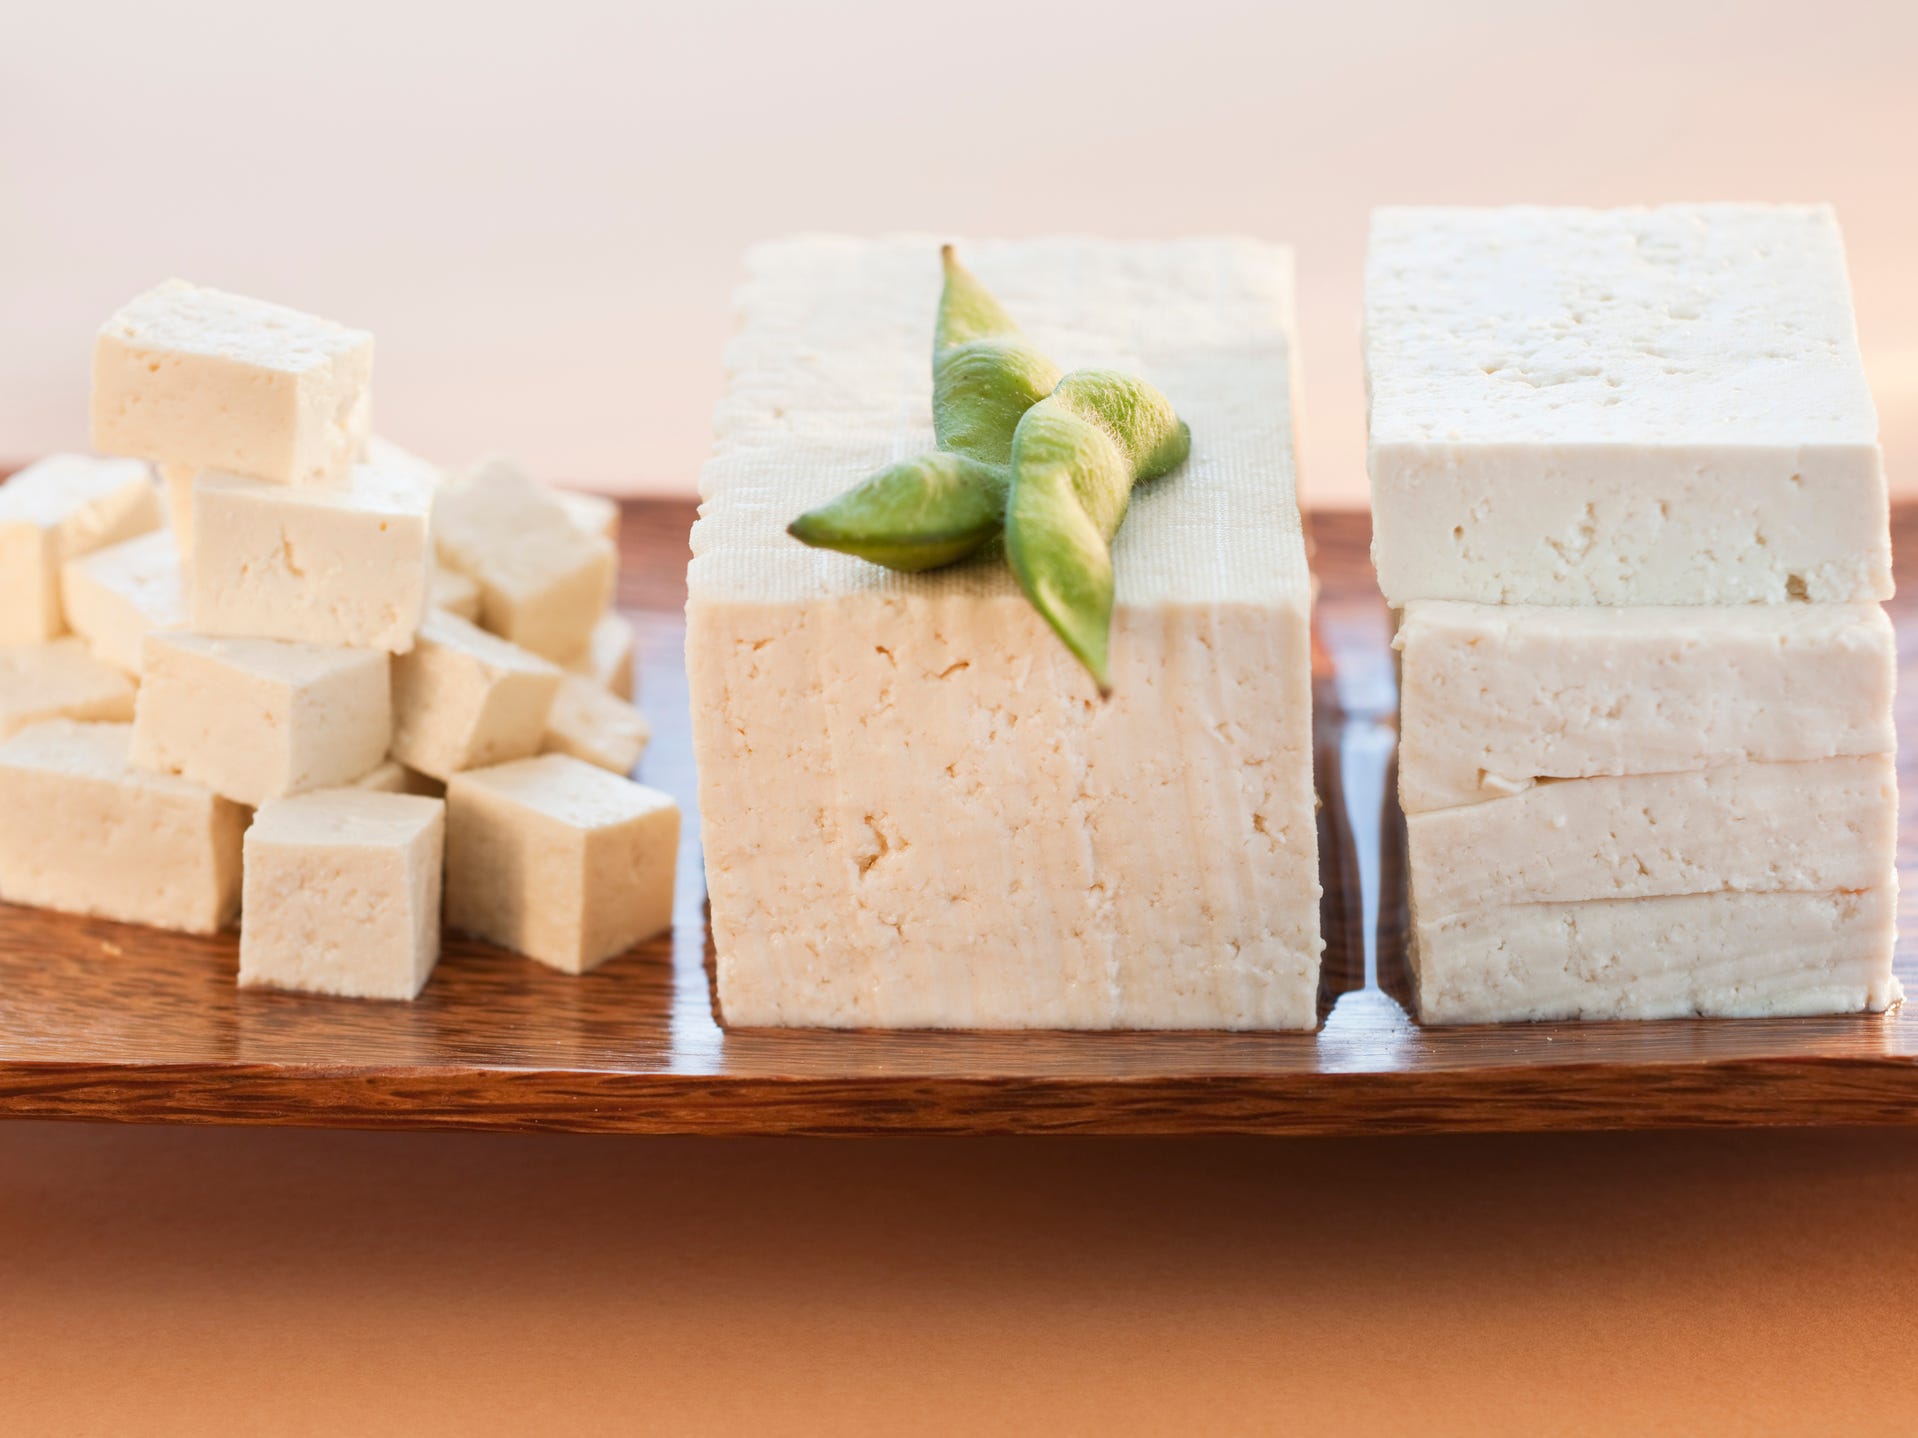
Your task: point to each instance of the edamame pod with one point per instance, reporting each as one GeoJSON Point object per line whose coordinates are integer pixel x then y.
{"type": "Point", "coordinates": [984, 374]}
{"type": "Point", "coordinates": [1075, 457]}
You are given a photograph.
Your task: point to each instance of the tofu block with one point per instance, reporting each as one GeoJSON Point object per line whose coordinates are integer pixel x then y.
{"type": "Point", "coordinates": [463, 698]}
{"type": "Point", "coordinates": [454, 592]}
{"type": "Point", "coordinates": [543, 583]}
{"type": "Point", "coordinates": [1495, 697]}
{"type": "Point", "coordinates": [592, 724]}
{"type": "Point", "coordinates": [347, 564]}
{"type": "Point", "coordinates": [343, 894]}
{"type": "Point", "coordinates": [115, 597]}
{"type": "Point", "coordinates": [176, 487]}
{"type": "Point", "coordinates": [111, 840]}
{"type": "Point", "coordinates": [915, 810]}
{"type": "Point", "coordinates": [1635, 406]}
{"type": "Point", "coordinates": [608, 659]}
{"type": "Point", "coordinates": [1811, 827]}
{"type": "Point", "coordinates": [594, 514]}
{"type": "Point", "coordinates": [63, 506]}
{"type": "Point", "coordinates": [59, 679]}
{"type": "Point", "coordinates": [558, 860]}
{"type": "Point", "coordinates": [393, 777]}
{"type": "Point", "coordinates": [190, 376]}
{"type": "Point", "coordinates": [1726, 954]}
{"type": "Point", "coordinates": [255, 719]}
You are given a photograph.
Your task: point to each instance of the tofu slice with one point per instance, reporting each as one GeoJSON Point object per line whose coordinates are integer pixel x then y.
{"type": "Point", "coordinates": [916, 813]}
{"type": "Point", "coordinates": [115, 597]}
{"type": "Point", "coordinates": [60, 679]}
{"type": "Point", "coordinates": [1635, 406]}
{"type": "Point", "coordinates": [61, 507]}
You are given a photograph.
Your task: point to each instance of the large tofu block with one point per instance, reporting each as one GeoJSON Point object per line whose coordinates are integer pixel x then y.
{"type": "Point", "coordinates": [88, 833]}
{"type": "Point", "coordinates": [64, 506]}
{"type": "Point", "coordinates": [1495, 697]}
{"type": "Point", "coordinates": [1812, 827]}
{"type": "Point", "coordinates": [915, 810]}
{"type": "Point", "coordinates": [59, 679]}
{"type": "Point", "coordinates": [1726, 954]}
{"type": "Point", "coordinates": [255, 719]}
{"type": "Point", "coordinates": [191, 376]}
{"type": "Point", "coordinates": [115, 597]}
{"type": "Point", "coordinates": [1637, 406]}
{"type": "Point", "coordinates": [558, 860]}
{"type": "Point", "coordinates": [543, 581]}
{"type": "Point", "coordinates": [463, 699]}
{"type": "Point", "coordinates": [342, 894]}
{"type": "Point", "coordinates": [348, 564]}
{"type": "Point", "coordinates": [593, 724]}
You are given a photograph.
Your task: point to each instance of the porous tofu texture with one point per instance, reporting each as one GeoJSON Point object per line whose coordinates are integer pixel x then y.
{"type": "Point", "coordinates": [342, 894]}
{"type": "Point", "coordinates": [115, 597]}
{"type": "Point", "coordinates": [195, 377]}
{"type": "Point", "coordinates": [463, 698]}
{"type": "Point", "coordinates": [558, 860]}
{"type": "Point", "coordinates": [54, 510]}
{"type": "Point", "coordinates": [915, 810]}
{"type": "Point", "coordinates": [256, 719]}
{"type": "Point", "coordinates": [112, 840]}
{"type": "Point", "coordinates": [1634, 406]}
{"type": "Point", "coordinates": [59, 679]}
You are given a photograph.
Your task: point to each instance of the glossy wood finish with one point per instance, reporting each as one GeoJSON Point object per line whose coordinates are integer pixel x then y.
{"type": "Point", "coordinates": [103, 1021]}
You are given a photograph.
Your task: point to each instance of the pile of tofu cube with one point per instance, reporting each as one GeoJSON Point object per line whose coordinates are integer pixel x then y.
{"type": "Point", "coordinates": [308, 680]}
{"type": "Point", "coordinates": [1630, 506]}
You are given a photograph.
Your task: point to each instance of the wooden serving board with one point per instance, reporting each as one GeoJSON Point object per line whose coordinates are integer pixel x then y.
{"type": "Point", "coordinates": [105, 1021]}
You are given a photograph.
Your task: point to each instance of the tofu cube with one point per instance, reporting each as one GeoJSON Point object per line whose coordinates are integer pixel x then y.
{"type": "Point", "coordinates": [463, 698]}
{"type": "Point", "coordinates": [558, 860]}
{"type": "Point", "coordinates": [115, 597]}
{"type": "Point", "coordinates": [191, 376]}
{"type": "Point", "coordinates": [112, 840]}
{"type": "Point", "coordinates": [343, 894]}
{"type": "Point", "coordinates": [916, 811]}
{"type": "Point", "coordinates": [59, 679]}
{"type": "Point", "coordinates": [393, 777]}
{"type": "Point", "coordinates": [255, 719]}
{"type": "Point", "coordinates": [594, 514]}
{"type": "Point", "coordinates": [591, 724]}
{"type": "Point", "coordinates": [543, 582]}
{"type": "Point", "coordinates": [176, 487]}
{"type": "Point", "coordinates": [608, 658]}
{"type": "Point", "coordinates": [1634, 406]}
{"type": "Point", "coordinates": [454, 592]}
{"type": "Point", "coordinates": [345, 565]}
{"type": "Point", "coordinates": [61, 507]}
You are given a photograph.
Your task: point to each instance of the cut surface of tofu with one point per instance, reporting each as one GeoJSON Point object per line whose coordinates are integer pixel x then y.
{"type": "Point", "coordinates": [916, 811]}
{"type": "Point", "coordinates": [608, 659]}
{"type": "Point", "coordinates": [61, 507]}
{"type": "Point", "coordinates": [590, 723]}
{"type": "Point", "coordinates": [256, 719]}
{"type": "Point", "coordinates": [112, 840]}
{"type": "Point", "coordinates": [343, 564]}
{"type": "Point", "coordinates": [59, 679]}
{"type": "Point", "coordinates": [342, 894]}
{"type": "Point", "coordinates": [463, 698]}
{"type": "Point", "coordinates": [558, 860]}
{"type": "Point", "coordinates": [196, 377]}
{"type": "Point", "coordinates": [1493, 697]}
{"type": "Point", "coordinates": [115, 597]}
{"type": "Point", "coordinates": [543, 582]}
{"type": "Point", "coordinates": [1634, 406]}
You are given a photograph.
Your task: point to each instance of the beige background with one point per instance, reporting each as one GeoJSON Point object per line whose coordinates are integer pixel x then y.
{"type": "Point", "coordinates": [539, 209]}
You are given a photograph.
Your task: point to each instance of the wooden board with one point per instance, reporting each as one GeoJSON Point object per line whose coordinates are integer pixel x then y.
{"type": "Point", "coordinates": [105, 1021]}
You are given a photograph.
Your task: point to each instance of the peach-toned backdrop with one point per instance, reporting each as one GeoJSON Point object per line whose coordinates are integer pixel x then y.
{"type": "Point", "coordinates": [539, 209]}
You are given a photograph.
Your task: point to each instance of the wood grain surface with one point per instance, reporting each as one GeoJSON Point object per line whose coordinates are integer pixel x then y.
{"type": "Point", "coordinates": [111, 1022]}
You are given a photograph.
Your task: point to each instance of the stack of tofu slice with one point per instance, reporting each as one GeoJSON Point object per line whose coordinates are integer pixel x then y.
{"type": "Point", "coordinates": [1630, 507]}
{"type": "Point", "coordinates": [342, 683]}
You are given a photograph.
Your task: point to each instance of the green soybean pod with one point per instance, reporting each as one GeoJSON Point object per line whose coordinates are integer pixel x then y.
{"type": "Point", "coordinates": [1075, 458]}
{"type": "Point", "coordinates": [985, 376]}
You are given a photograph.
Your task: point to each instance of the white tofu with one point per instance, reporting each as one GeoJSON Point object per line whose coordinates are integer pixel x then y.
{"type": "Point", "coordinates": [454, 592]}
{"type": "Point", "coordinates": [558, 860]}
{"type": "Point", "coordinates": [915, 811]}
{"type": "Point", "coordinates": [1495, 697]}
{"type": "Point", "coordinates": [591, 724]}
{"type": "Point", "coordinates": [111, 840]}
{"type": "Point", "coordinates": [343, 894]}
{"type": "Point", "coordinates": [594, 514]}
{"type": "Point", "coordinates": [1638, 406]}
{"type": "Point", "coordinates": [115, 597]}
{"type": "Point", "coordinates": [63, 506]}
{"type": "Point", "coordinates": [1812, 827]}
{"type": "Point", "coordinates": [59, 679]}
{"type": "Point", "coordinates": [346, 564]}
{"type": "Point", "coordinates": [255, 719]}
{"type": "Point", "coordinates": [608, 659]}
{"type": "Point", "coordinates": [464, 698]}
{"type": "Point", "coordinates": [191, 376]}
{"type": "Point", "coordinates": [543, 583]}
{"type": "Point", "coordinates": [393, 777]}
{"type": "Point", "coordinates": [1733, 955]}
{"type": "Point", "coordinates": [176, 487]}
